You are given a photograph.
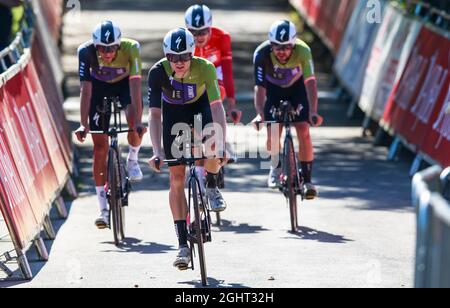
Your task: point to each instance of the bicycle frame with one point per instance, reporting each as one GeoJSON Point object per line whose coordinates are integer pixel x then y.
{"type": "Point", "coordinates": [286, 117]}
{"type": "Point", "coordinates": [111, 106]}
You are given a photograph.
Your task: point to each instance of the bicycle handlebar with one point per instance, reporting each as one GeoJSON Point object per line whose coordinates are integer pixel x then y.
{"type": "Point", "coordinates": [108, 133]}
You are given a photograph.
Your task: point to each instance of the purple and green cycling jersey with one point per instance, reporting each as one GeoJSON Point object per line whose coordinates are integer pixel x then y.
{"type": "Point", "coordinates": [269, 70]}
{"type": "Point", "coordinates": [126, 64]}
{"type": "Point", "coordinates": [165, 87]}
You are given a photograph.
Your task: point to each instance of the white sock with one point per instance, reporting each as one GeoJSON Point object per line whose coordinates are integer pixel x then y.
{"type": "Point", "coordinates": [101, 195]}
{"type": "Point", "coordinates": [134, 153]}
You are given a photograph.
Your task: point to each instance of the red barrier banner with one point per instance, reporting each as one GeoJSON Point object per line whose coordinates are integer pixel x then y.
{"type": "Point", "coordinates": [46, 123]}
{"type": "Point", "coordinates": [437, 142]}
{"type": "Point", "coordinates": [20, 113]}
{"type": "Point", "coordinates": [390, 53]}
{"type": "Point", "coordinates": [338, 22]}
{"type": "Point", "coordinates": [12, 127]}
{"type": "Point", "coordinates": [353, 56]}
{"type": "Point", "coordinates": [410, 109]}
{"type": "Point", "coordinates": [329, 19]}
{"type": "Point", "coordinates": [54, 102]}
{"type": "Point", "coordinates": [14, 202]}
{"type": "Point", "coordinates": [314, 10]}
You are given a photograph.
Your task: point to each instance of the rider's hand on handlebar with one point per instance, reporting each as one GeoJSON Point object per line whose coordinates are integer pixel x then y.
{"type": "Point", "coordinates": [235, 115]}
{"type": "Point", "coordinates": [81, 133]}
{"type": "Point", "coordinates": [256, 122]}
{"type": "Point", "coordinates": [156, 162]}
{"type": "Point", "coordinates": [315, 119]}
{"type": "Point", "coordinates": [141, 130]}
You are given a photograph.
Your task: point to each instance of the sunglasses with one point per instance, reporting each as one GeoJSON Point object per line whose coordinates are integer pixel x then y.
{"type": "Point", "coordinates": [179, 58]}
{"type": "Point", "coordinates": [107, 49]}
{"type": "Point", "coordinates": [199, 32]}
{"type": "Point", "coordinates": [278, 47]}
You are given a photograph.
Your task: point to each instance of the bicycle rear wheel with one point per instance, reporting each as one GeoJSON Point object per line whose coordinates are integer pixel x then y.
{"type": "Point", "coordinates": [115, 199]}
{"type": "Point", "coordinates": [290, 171]}
{"type": "Point", "coordinates": [200, 240]}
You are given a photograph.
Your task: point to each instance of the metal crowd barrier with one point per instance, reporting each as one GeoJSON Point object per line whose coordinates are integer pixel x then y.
{"type": "Point", "coordinates": [431, 196]}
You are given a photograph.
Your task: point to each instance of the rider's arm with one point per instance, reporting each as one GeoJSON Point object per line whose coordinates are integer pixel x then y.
{"type": "Point", "coordinates": [310, 79]}
{"type": "Point", "coordinates": [227, 66]}
{"type": "Point", "coordinates": [218, 115]}
{"type": "Point", "coordinates": [154, 122]}
{"type": "Point", "coordinates": [260, 99]}
{"type": "Point", "coordinates": [135, 80]}
{"type": "Point", "coordinates": [86, 84]}
{"type": "Point", "coordinates": [155, 104]}
{"type": "Point", "coordinates": [260, 81]}
{"type": "Point", "coordinates": [217, 110]}
{"type": "Point", "coordinates": [85, 102]}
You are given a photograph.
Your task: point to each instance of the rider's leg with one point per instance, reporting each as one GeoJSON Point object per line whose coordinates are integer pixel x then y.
{"type": "Point", "coordinates": [101, 148]}
{"type": "Point", "coordinates": [216, 200]}
{"type": "Point", "coordinates": [178, 205]}
{"type": "Point", "coordinates": [134, 141]}
{"type": "Point", "coordinates": [306, 157]}
{"type": "Point", "coordinates": [178, 202]}
{"type": "Point", "coordinates": [274, 133]}
{"type": "Point", "coordinates": [306, 153]}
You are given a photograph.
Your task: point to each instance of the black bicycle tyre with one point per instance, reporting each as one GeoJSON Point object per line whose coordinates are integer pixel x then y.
{"type": "Point", "coordinates": [114, 198]}
{"type": "Point", "coordinates": [290, 172]}
{"type": "Point", "coordinates": [199, 235]}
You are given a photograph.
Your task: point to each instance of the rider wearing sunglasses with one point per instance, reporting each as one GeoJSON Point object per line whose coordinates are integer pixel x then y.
{"type": "Point", "coordinates": [284, 70]}
{"type": "Point", "coordinates": [110, 66]}
{"type": "Point", "coordinates": [185, 91]}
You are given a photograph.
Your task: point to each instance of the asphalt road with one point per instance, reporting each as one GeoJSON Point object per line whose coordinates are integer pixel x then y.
{"type": "Point", "coordinates": [359, 233]}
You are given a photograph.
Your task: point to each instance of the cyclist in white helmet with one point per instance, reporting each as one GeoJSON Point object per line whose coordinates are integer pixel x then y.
{"type": "Point", "coordinates": [184, 90]}
{"type": "Point", "coordinates": [284, 70]}
{"type": "Point", "coordinates": [110, 66]}
{"type": "Point", "coordinates": [214, 44]}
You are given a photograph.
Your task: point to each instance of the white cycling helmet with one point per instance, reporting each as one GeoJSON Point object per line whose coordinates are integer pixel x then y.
{"type": "Point", "coordinates": [198, 17]}
{"type": "Point", "coordinates": [179, 41]}
{"type": "Point", "coordinates": [107, 33]}
{"type": "Point", "coordinates": [283, 32]}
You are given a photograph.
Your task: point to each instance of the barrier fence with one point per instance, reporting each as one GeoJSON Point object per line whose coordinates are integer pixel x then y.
{"type": "Point", "coordinates": [35, 147]}
{"type": "Point", "coordinates": [395, 68]}
{"type": "Point", "coordinates": [431, 196]}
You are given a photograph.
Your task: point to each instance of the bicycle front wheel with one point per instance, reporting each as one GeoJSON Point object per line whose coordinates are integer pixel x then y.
{"type": "Point", "coordinates": [200, 240]}
{"type": "Point", "coordinates": [115, 198]}
{"type": "Point", "coordinates": [291, 172]}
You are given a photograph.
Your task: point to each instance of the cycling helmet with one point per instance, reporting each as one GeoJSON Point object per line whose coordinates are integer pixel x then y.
{"type": "Point", "coordinates": [283, 32]}
{"type": "Point", "coordinates": [106, 33]}
{"type": "Point", "coordinates": [179, 41]}
{"type": "Point", "coordinates": [198, 17]}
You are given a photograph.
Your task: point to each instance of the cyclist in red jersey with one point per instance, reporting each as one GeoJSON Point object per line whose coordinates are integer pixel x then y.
{"type": "Point", "coordinates": [214, 44]}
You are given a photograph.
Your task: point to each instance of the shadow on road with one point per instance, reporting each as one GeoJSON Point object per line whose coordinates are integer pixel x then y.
{"type": "Point", "coordinates": [214, 283]}
{"type": "Point", "coordinates": [133, 245]}
{"type": "Point", "coordinates": [309, 234]}
{"type": "Point", "coordinates": [353, 169]}
{"type": "Point", "coordinates": [228, 226]}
